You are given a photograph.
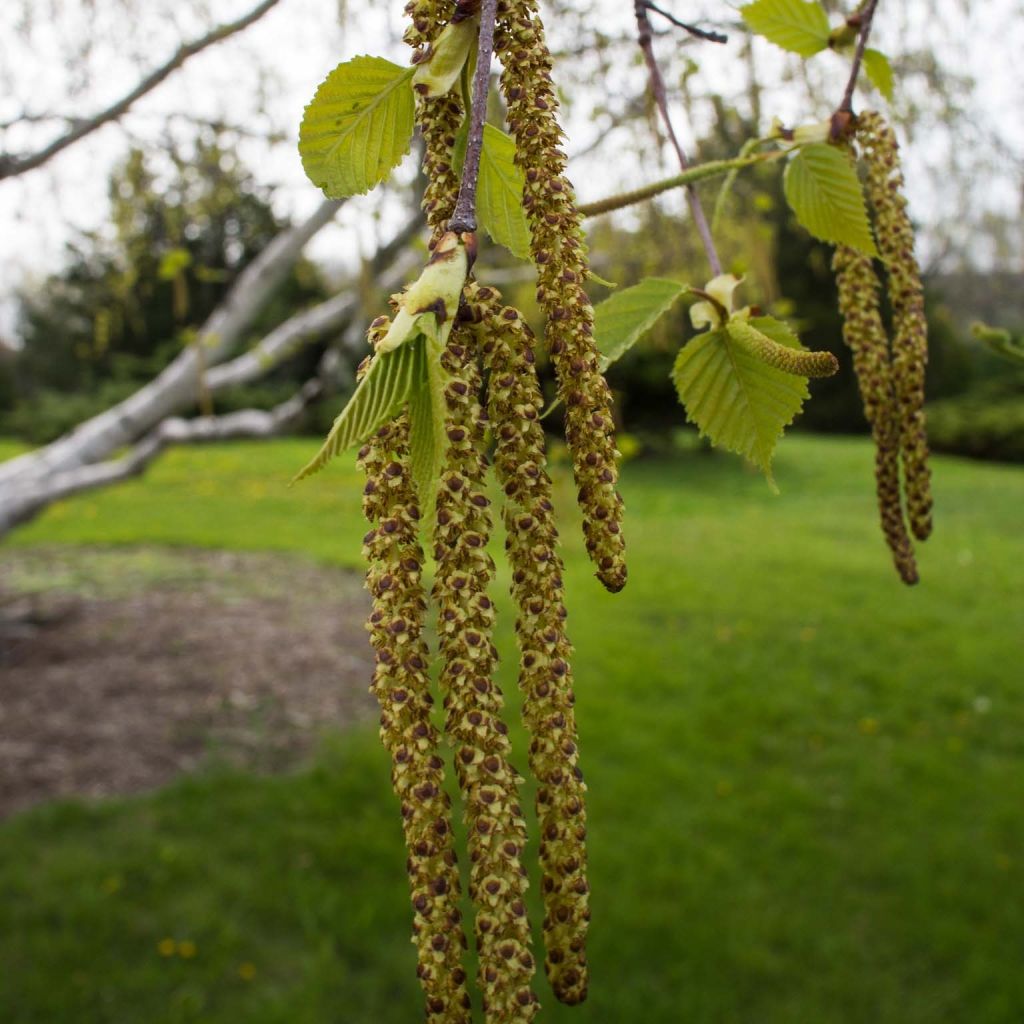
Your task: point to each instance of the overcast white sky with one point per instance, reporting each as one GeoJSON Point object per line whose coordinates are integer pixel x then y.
{"type": "Point", "coordinates": [300, 40]}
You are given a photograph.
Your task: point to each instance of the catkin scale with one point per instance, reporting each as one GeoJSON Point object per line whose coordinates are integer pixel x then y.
{"type": "Point", "coordinates": [895, 234]}
{"type": "Point", "coordinates": [473, 702]}
{"type": "Point", "coordinates": [401, 683]}
{"type": "Point", "coordinates": [559, 253]}
{"type": "Point", "coordinates": [545, 674]}
{"type": "Point", "coordinates": [865, 335]}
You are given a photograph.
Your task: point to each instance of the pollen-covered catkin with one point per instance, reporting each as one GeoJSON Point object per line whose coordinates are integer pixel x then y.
{"type": "Point", "coordinates": [401, 683]}
{"type": "Point", "coordinates": [865, 335]}
{"type": "Point", "coordinates": [545, 674]}
{"type": "Point", "coordinates": [473, 702]}
{"type": "Point", "coordinates": [895, 234]}
{"type": "Point", "coordinates": [559, 252]}
{"type": "Point", "coordinates": [438, 118]}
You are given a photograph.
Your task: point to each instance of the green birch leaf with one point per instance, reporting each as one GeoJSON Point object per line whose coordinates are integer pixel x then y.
{"type": "Point", "coordinates": [428, 440]}
{"type": "Point", "coordinates": [800, 26]}
{"type": "Point", "coordinates": [358, 126]}
{"type": "Point", "coordinates": [879, 70]}
{"type": "Point", "coordinates": [624, 318]}
{"type": "Point", "coordinates": [380, 395]}
{"type": "Point", "coordinates": [734, 398]}
{"type": "Point", "coordinates": [822, 187]}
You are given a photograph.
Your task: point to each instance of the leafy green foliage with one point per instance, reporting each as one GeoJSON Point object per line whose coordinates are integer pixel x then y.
{"type": "Point", "coordinates": [823, 190]}
{"type": "Point", "coordinates": [879, 70]}
{"type": "Point", "coordinates": [428, 441]}
{"type": "Point", "coordinates": [390, 381]}
{"type": "Point", "coordinates": [499, 196]}
{"type": "Point", "coordinates": [800, 26]}
{"type": "Point", "coordinates": [736, 400]}
{"type": "Point", "coordinates": [624, 318]}
{"type": "Point", "coordinates": [358, 126]}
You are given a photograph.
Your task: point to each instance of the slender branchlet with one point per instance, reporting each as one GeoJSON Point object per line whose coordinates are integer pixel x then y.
{"type": "Point", "coordinates": [559, 252]}
{"type": "Point", "coordinates": [645, 37]}
{"type": "Point", "coordinates": [401, 683]}
{"type": "Point", "coordinates": [895, 234]}
{"type": "Point", "coordinates": [545, 675]}
{"type": "Point", "coordinates": [473, 702]}
{"type": "Point", "coordinates": [865, 334]}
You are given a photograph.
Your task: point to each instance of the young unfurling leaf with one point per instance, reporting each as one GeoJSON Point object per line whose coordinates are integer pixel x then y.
{"type": "Point", "coordinates": [358, 126]}
{"type": "Point", "coordinates": [428, 441]}
{"type": "Point", "coordinates": [428, 306]}
{"type": "Point", "coordinates": [823, 190]}
{"type": "Point", "coordinates": [387, 386]}
{"type": "Point", "coordinates": [436, 75]}
{"type": "Point", "coordinates": [800, 26]}
{"type": "Point", "coordinates": [624, 318]}
{"type": "Point", "coordinates": [879, 70]}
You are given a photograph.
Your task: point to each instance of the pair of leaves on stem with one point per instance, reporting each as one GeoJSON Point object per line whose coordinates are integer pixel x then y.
{"type": "Point", "coordinates": [802, 27]}
{"type": "Point", "coordinates": [359, 126]}
{"type": "Point", "coordinates": [730, 379]}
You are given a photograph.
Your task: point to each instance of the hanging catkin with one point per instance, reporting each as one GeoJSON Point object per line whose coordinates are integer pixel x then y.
{"type": "Point", "coordinates": [473, 702]}
{"type": "Point", "coordinates": [401, 683]}
{"type": "Point", "coordinates": [545, 675]}
{"type": "Point", "coordinates": [559, 252]}
{"type": "Point", "coordinates": [895, 235]}
{"type": "Point", "coordinates": [865, 335]}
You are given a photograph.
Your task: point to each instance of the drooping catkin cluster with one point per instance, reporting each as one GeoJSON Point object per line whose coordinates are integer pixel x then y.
{"type": "Point", "coordinates": [559, 252]}
{"type": "Point", "coordinates": [890, 374]}
{"type": "Point", "coordinates": [401, 683]}
{"type": "Point", "coordinates": [895, 234]}
{"type": "Point", "coordinates": [473, 701]}
{"type": "Point", "coordinates": [545, 675]}
{"type": "Point", "coordinates": [865, 335]}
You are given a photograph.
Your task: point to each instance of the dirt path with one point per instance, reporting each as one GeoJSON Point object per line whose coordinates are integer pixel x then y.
{"type": "Point", "coordinates": [121, 668]}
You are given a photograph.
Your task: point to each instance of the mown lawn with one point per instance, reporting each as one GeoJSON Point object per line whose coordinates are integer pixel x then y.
{"type": "Point", "coordinates": [806, 781]}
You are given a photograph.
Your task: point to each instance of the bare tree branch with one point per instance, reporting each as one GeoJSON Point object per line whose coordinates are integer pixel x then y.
{"type": "Point", "coordinates": [289, 337]}
{"type": "Point", "coordinates": [643, 24]}
{"type": "Point", "coordinates": [245, 423]}
{"type": "Point", "coordinates": [11, 165]}
{"type": "Point", "coordinates": [176, 386]}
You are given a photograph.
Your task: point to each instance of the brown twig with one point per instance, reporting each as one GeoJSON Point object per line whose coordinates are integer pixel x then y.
{"type": "Point", "coordinates": [866, 17]}
{"type": "Point", "coordinates": [694, 30]}
{"type": "Point", "coordinates": [464, 215]}
{"type": "Point", "coordinates": [645, 39]}
{"type": "Point", "coordinates": [11, 165]}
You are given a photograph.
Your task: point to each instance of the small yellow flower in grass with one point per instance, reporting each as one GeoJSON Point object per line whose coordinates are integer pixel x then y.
{"type": "Point", "coordinates": [166, 947]}
{"type": "Point", "coordinates": [187, 949]}
{"type": "Point", "coordinates": [247, 971]}
{"type": "Point", "coordinates": [868, 726]}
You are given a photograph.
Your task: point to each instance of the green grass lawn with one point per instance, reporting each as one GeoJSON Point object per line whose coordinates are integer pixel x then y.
{"type": "Point", "coordinates": [806, 781]}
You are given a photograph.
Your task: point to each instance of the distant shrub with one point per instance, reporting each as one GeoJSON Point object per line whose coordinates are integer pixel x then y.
{"type": "Point", "coordinates": [982, 426]}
